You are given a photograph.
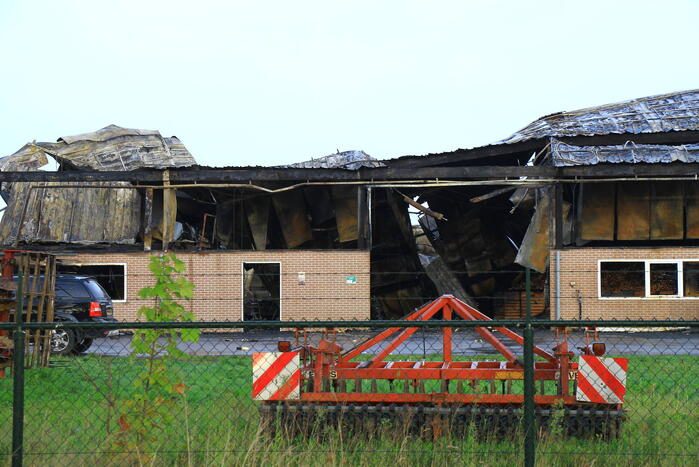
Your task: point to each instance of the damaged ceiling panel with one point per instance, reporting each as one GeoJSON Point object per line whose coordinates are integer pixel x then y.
{"type": "Point", "coordinates": [75, 215]}
{"type": "Point", "coordinates": [678, 111]}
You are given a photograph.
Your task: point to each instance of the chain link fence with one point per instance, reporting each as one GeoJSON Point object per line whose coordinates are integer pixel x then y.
{"type": "Point", "coordinates": [80, 409]}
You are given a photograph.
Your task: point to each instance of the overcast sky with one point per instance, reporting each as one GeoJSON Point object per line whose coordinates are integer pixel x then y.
{"type": "Point", "coordinates": [263, 83]}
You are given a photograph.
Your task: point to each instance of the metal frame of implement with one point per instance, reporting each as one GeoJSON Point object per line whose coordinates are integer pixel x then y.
{"type": "Point", "coordinates": [307, 378]}
{"type": "Point", "coordinates": [326, 364]}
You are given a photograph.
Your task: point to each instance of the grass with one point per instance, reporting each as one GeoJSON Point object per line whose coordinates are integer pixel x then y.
{"type": "Point", "coordinates": [72, 410]}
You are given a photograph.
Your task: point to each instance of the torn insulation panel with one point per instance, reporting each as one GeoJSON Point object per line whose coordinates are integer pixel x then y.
{"type": "Point", "coordinates": [293, 219]}
{"type": "Point", "coordinates": [345, 198]}
{"type": "Point", "coordinates": [597, 212]}
{"type": "Point", "coordinates": [534, 251]}
{"type": "Point", "coordinates": [71, 215]}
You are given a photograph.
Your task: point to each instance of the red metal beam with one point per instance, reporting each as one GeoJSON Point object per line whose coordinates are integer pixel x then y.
{"type": "Point", "coordinates": [441, 373]}
{"type": "Point", "coordinates": [486, 334]}
{"type": "Point", "coordinates": [447, 332]}
{"type": "Point", "coordinates": [505, 331]}
{"type": "Point", "coordinates": [412, 398]}
{"type": "Point", "coordinates": [407, 332]}
{"type": "Point", "coordinates": [388, 332]}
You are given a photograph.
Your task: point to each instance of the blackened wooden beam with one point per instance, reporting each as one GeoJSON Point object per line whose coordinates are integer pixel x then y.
{"type": "Point", "coordinates": [362, 217]}
{"type": "Point", "coordinates": [558, 216]}
{"type": "Point", "coordinates": [378, 175]}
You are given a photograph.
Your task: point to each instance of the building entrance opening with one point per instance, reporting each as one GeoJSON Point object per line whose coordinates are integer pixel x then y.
{"type": "Point", "coordinates": [262, 291]}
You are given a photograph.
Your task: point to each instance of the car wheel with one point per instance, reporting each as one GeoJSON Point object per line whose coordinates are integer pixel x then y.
{"type": "Point", "coordinates": [82, 346]}
{"type": "Point", "coordinates": [62, 341]}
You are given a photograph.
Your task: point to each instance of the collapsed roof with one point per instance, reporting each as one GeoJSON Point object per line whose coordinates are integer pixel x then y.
{"type": "Point", "coordinates": [350, 160]}
{"type": "Point", "coordinates": [677, 111]}
{"type": "Point", "coordinates": [103, 213]}
{"type": "Point", "coordinates": [112, 148]}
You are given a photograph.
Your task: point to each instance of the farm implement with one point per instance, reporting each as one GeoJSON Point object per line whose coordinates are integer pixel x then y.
{"type": "Point", "coordinates": [366, 388]}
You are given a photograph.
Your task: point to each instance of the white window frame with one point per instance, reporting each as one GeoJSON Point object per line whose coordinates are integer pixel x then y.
{"type": "Point", "coordinates": [242, 287]}
{"type": "Point", "coordinates": [647, 263]}
{"type": "Point", "coordinates": [126, 275]}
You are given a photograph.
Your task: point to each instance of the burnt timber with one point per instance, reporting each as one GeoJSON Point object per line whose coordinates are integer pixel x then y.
{"type": "Point", "coordinates": [366, 176]}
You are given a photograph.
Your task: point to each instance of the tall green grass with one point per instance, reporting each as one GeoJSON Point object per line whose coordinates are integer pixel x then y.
{"type": "Point", "coordinates": [72, 410]}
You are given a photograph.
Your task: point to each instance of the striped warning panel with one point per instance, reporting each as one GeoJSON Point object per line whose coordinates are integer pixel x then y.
{"type": "Point", "coordinates": [601, 379]}
{"type": "Point", "coordinates": [276, 376]}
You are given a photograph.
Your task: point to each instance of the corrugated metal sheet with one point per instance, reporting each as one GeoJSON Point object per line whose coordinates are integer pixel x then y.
{"type": "Point", "coordinates": [75, 215]}
{"type": "Point", "coordinates": [563, 154]}
{"type": "Point", "coordinates": [678, 111]}
{"type": "Point", "coordinates": [350, 160]}
{"type": "Point", "coordinates": [112, 148]}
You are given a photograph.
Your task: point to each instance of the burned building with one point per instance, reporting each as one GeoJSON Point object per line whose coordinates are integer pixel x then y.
{"type": "Point", "coordinates": [600, 203]}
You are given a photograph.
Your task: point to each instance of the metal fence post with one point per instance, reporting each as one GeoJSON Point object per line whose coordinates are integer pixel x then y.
{"type": "Point", "coordinates": [18, 381]}
{"type": "Point", "coordinates": [529, 433]}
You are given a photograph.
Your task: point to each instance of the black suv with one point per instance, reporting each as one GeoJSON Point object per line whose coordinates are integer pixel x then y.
{"type": "Point", "coordinates": [79, 299]}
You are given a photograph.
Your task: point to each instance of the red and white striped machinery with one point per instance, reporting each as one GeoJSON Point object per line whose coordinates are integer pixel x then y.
{"type": "Point", "coordinates": [311, 386]}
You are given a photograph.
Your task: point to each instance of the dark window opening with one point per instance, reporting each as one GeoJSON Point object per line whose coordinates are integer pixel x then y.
{"type": "Point", "coordinates": [691, 278]}
{"type": "Point", "coordinates": [663, 279]}
{"type": "Point", "coordinates": [110, 276]}
{"type": "Point", "coordinates": [622, 279]}
{"type": "Point", "coordinates": [261, 291]}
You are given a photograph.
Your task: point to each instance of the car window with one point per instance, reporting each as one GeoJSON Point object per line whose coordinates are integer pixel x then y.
{"type": "Point", "coordinates": [96, 290]}
{"type": "Point", "coordinates": [60, 293]}
{"type": "Point", "coordinates": [75, 290]}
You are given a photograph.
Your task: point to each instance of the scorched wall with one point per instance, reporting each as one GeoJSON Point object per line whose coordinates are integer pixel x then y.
{"type": "Point", "coordinates": [336, 284]}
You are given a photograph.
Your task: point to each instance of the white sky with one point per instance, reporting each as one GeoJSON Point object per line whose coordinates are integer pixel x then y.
{"type": "Point", "coordinates": [248, 83]}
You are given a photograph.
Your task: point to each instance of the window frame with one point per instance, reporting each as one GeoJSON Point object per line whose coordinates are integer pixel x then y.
{"type": "Point", "coordinates": [126, 275]}
{"type": "Point", "coordinates": [242, 287]}
{"type": "Point", "coordinates": [647, 263]}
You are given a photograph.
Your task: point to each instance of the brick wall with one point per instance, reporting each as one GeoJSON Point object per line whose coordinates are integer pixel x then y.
{"type": "Point", "coordinates": [218, 280]}
{"type": "Point", "coordinates": [580, 266]}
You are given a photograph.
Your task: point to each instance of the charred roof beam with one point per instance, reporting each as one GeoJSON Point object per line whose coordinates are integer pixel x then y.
{"type": "Point", "coordinates": [378, 175]}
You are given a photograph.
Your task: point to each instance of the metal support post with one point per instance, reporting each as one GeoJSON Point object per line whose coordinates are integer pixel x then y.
{"type": "Point", "coordinates": [18, 381]}
{"type": "Point", "coordinates": [529, 432]}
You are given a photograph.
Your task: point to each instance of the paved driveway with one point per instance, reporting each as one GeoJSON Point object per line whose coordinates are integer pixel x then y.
{"type": "Point", "coordinates": [466, 342]}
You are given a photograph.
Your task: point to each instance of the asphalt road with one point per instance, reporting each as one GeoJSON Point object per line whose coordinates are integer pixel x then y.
{"type": "Point", "coordinates": [466, 342]}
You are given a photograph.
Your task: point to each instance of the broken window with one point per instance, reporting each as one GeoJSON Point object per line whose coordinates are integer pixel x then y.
{"type": "Point", "coordinates": [261, 291]}
{"type": "Point", "coordinates": [622, 279]}
{"type": "Point", "coordinates": [690, 270]}
{"type": "Point", "coordinates": [663, 279]}
{"type": "Point", "coordinates": [649, 279]}
{"type": "Point", "coordinates": [112, 277]}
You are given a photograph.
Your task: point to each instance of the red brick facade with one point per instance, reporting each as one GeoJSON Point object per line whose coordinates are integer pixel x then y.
{"type": "Point", "coordinates": [326, 293]}
{"type": "Point", "coordinates": [579, 277]}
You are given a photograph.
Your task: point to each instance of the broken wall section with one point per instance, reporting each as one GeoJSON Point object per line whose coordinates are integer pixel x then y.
{"type": "Point", "coordinates": [71, 215]}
